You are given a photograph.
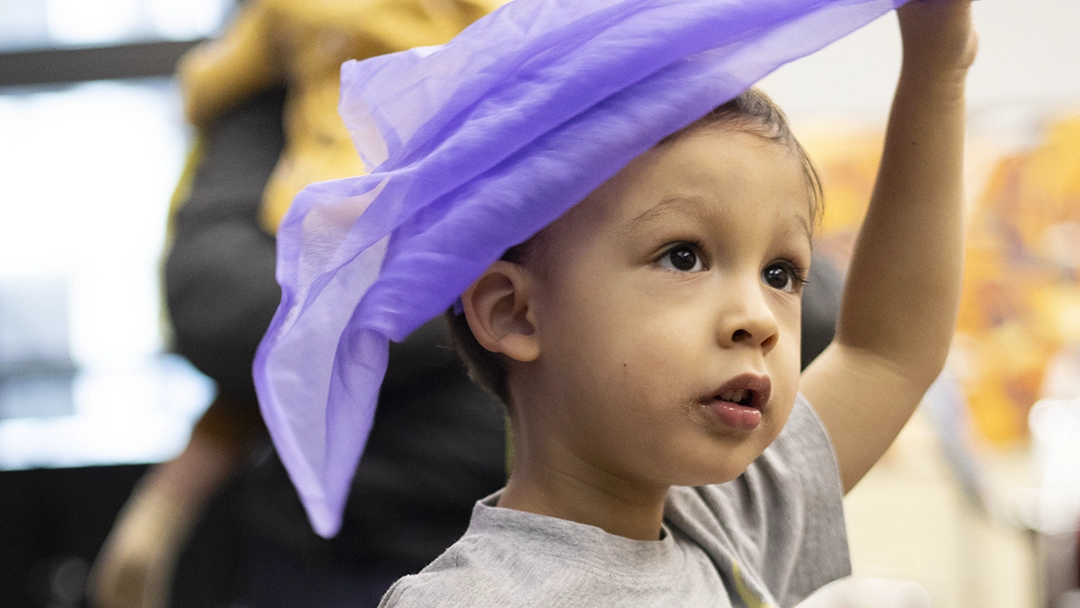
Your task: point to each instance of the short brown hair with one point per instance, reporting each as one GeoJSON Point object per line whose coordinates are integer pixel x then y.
{"type": "Point", "coordinates": [753, 111]}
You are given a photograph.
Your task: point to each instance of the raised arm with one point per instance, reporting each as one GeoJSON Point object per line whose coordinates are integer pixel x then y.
{"type": "Point", "coordinates": [900, 302]}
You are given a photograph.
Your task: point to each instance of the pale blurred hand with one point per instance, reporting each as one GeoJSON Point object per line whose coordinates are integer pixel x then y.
{"type": "Point", "coordinates": [136, 564]}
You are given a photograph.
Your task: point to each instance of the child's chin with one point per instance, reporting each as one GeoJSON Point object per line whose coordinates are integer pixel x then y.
{"type": "Point", "coordinates": [712, 477]}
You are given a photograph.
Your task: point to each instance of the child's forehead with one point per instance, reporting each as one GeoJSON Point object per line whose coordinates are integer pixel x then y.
{"type": "Point", "coordinates": [704, 171]}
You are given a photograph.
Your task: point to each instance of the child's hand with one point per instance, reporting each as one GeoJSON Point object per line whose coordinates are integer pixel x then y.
{"type": "Point", "coordinates": [939, 39]}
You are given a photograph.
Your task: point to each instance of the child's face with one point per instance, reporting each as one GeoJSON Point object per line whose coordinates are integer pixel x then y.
{"type": "Point", "coordinates": [671, 290]}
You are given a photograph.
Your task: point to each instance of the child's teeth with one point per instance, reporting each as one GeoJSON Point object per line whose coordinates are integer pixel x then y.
{"type": "Point", "coordinates": [734, 396]}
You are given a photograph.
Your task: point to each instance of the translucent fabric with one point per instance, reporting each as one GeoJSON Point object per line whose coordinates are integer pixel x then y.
{"type": "Point", "coordinates": [474, 146]}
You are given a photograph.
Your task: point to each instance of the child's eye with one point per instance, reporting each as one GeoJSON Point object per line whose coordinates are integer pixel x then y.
{"type": "Point", "coordinates": [784, 276]}
{"type": "Point", "coordinates": [681, 258]}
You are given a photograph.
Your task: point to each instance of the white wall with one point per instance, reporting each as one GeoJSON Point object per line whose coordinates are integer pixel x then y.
{"type": "Point", "coordinates": [1029, 54]}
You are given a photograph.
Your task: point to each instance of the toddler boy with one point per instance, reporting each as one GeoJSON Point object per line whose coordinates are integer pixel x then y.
{"type": "Point", "coordinates": [646, 346]}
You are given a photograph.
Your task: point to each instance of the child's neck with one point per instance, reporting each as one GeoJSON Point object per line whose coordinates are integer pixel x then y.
{"type": "Point", "coordinates": [615, 506]}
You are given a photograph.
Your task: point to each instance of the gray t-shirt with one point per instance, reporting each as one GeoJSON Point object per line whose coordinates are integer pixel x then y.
{"type": "Point", "coordinates": [767, 538]}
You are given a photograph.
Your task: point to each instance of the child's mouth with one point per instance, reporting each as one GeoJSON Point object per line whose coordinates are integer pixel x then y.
{"type": "Point", "coordinates": [740, 401]}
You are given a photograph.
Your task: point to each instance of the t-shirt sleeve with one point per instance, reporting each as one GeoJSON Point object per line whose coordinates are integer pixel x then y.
{"type": "Point", "coordinates": [782, 521]}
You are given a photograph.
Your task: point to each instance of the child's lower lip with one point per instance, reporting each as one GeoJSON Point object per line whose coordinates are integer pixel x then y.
{"type": "Point", "coordinates": [736, 416]}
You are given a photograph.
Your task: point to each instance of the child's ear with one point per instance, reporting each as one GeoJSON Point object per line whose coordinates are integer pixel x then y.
{"type": "Point", "coordinates": [497, 307]}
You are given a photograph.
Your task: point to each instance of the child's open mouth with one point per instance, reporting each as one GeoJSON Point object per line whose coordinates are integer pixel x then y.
{"type": "Point", "coordinates": [739, 402]}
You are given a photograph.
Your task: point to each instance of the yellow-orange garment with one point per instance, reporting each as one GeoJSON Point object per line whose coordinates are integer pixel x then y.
{"type": "Point", "coordinates": [1020, 305]}
{"type": "Point", "coordinates": [302, 44]}
{"type": "Point", "coordinates": [847, 162]}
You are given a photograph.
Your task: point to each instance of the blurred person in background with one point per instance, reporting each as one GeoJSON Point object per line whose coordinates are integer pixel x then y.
{"type": "Point", "coordinates": [263, 99]}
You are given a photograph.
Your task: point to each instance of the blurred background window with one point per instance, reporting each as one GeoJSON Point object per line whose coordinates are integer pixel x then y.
{"type": "Point", "coordinates": [92, 143]}
{"type": "Point", "coordinates": [44, 24]}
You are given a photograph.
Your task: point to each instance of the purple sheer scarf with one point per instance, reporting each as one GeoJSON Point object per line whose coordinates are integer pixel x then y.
{"type": "Point", "coordinates": [474, 146]}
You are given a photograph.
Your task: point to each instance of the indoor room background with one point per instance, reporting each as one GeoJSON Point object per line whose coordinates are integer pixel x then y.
{"type": "Point", "coordinates": [976, 505]}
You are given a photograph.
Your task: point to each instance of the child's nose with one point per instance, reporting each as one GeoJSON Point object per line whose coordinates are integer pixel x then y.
{"type": "Point", "coordinates": [749, 321]}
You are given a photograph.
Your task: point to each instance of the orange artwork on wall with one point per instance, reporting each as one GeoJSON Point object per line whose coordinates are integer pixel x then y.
{"type": "Point", "coordinates": [1018, 333]}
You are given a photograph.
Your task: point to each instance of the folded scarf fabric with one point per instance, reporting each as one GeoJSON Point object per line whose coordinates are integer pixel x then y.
{"type": "Point", "coordinates": [472, 147]}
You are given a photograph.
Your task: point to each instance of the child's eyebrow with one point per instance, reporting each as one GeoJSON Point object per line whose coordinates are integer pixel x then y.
{"type": "Point", "coordinates": [802, 225]}
{"type": "Point", "coordinates": [671, 204]}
